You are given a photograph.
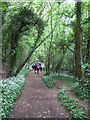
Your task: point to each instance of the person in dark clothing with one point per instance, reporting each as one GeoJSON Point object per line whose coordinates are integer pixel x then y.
{"type": "Point", "coordinates": [37, 67]}
{"type": "Point", "coordinates": [40, 66]}
{"type": "Point", "coordinates": [34, 67]}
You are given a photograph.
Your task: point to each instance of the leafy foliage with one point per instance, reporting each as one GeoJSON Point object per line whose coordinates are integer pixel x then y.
{"type": "Point", "coordinates": [11, 90]}
{"type": "Point", "coordinates": [16, 24]}
{"type": "Point", "coordinates": [77, 111]}
{"type": "Point", "coordinates": [25, 70]}
{"type": "Point", "coordinates": [82, 90]}
{"type": "Point", "coordinates": [23, 25]}
{"type": "Point", "coordinates": [66, 77]}
{"type": "Point", "coordinates": [27, 21]}
{"type": "Point", "coordinates": [49, 81]}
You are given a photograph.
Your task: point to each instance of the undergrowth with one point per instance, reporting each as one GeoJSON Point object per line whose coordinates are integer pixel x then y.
{"type": "Point", "coordinates": [76, 110]}
{"type": "Point", "coordinates": [49, 81]}
{"type": "Point", "coordinates": [10, 89]}
{"type": "Point", "coordinates": [81, 90]}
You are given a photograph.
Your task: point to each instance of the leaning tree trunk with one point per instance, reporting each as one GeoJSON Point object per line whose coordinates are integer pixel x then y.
{"type": "Point", "coordinates": [78, 42]}
{"type": "Point", "coordinates": [33, 50]}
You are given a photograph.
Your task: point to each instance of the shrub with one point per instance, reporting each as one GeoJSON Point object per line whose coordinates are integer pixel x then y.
{"type": "Point", "coordinates": [24, 71]}
{"type": "Point", "coordinates": [54, 75]}
{"type": "Point", "coordinates": [11, 89]}
{"type": "Point", "coordinates": [66, 77]}
{"type": "Point", "coordinates": [76, 110]}
{"type": "Point", "coordinates": [82, 90]}
{"type": "Point", "coordinates": [49, 81]}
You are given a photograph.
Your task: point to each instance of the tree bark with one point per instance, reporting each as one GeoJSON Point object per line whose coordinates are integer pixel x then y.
{"type": "Point", "coordinates": [58, 66]}
{"type": "Point", "coordinates": [78, 42]}
{"type": "Point", "coordinates": [13, 55]}
{"type": "Point", "coordinates": [88, 41]}
{"type": "Point", "coordinates": [49, 51]}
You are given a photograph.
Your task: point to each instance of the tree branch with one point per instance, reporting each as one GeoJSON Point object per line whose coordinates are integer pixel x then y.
{"type": "Point", "coordinates": [69, 48]}
{"type": "Point", "coordinates": [33, 50]}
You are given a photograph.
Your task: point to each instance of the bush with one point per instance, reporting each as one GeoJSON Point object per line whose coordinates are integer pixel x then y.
{"type": "Point", "coordinates": [24, 71]}
{"type": "Point", "coordinates": [54, 75]}
{"type": "Point", "coordinates": [82, 90]}
{"type": "Point", "coordinates": [76, 110]}
{"type": "Point", "coordinates": [66, 77]}
{"type": "Point", "coordinates": [49, 81]}
{"type": "Point", "coordinates": [11, 89]}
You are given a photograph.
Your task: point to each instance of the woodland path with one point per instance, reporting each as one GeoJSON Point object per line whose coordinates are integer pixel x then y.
{"type": "Point", "coordinates": [38, 101]}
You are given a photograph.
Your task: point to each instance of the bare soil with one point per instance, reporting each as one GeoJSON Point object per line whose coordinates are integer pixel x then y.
{"type": "Point", "coordinates": [38, 101]}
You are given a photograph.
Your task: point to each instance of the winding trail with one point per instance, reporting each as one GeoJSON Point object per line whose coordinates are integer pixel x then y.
{"type": "Point", "coordinates": [38, 101]}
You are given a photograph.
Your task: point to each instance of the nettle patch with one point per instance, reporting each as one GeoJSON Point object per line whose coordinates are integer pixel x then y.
{"type": "Point", "coordinates": [11, 90]}
{"type": "Point", "coordinates": [76, 110]}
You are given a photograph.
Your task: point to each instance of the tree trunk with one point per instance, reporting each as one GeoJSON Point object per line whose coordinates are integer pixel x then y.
{"type": "Point", "coordinates": [78, 42]}
{"type": "Point", "coordinates": [13, 55]}
{"type": "Point", "coordinates": [49, 51]}
{"type": "Point", "coordinates": [88, 42]}
{"type": "Point", "coordinates": [58, 66]}
{"type": "Point", "coordinates": [24, 62]}
{"type": "Point", "coordinates": [34, 48]}
{"type": "Point", "coordinates": [14, 47]}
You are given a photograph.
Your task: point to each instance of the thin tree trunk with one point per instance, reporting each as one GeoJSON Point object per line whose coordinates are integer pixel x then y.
{"type": "Point", "coordinates": [60, 61]}
{"type": "Point", "coordinates": [59, 64]}
{"type": "Point", "coordinates": [78, 42]}
{"type": "Point", "coordinates": [49, 52]}
{"type": "Point", "coordinates": [88, 42]}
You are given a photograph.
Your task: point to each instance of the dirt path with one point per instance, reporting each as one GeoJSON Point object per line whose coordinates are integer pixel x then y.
{"type": "Point", "coordinates": [37, 101]}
